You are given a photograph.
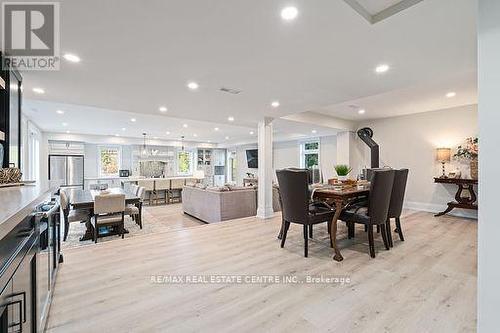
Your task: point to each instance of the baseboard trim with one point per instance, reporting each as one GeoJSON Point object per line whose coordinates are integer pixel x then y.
{"type": "Point", "coordinates": [436, 208]}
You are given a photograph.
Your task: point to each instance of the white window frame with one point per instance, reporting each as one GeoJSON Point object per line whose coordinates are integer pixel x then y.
{"type": "Point", "coordinates": [304, 152]}
{"type": "Point", "coordinates": [99, 163]}
{"type": "Point", "coordinates": [191, 163]}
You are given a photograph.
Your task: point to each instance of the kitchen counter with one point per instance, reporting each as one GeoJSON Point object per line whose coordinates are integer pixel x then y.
{"type": "Point", "coordinates": [18, 202]}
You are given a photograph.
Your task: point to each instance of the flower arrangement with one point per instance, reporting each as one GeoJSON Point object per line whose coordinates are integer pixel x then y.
{"type": "Point", "coordinates": [469, 150]}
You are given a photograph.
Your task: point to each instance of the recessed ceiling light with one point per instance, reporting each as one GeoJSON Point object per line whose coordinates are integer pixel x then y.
{"type": "Point", "coordinates": [38, 91]}
{"type": "Point", "coordinates": [216, 129]}
{"type": "Point", "coordinates": [133, 120]}
{"type": "Point", "coordinates": [117, 135]}
{"type": "Point", "coordinates": [227, 138]}
{"type": "Point", "coordinates": [67, 132]}
{"type": "Point", "coordinates": [251, 133]}
{"type": "Point", "coordinates": [193, 85]}
{"type": "Point", "coordinates": [314, 131]}
{"type": "Point", "coordinates": [163, 109]}
{"type": "Point", "coordinates": [382, 68]}
{"type": "Point", "coordinates": [65, 124]}
{"type": "Point", "coordinates": [361, 111]}
{"type": "Point", "coordinates": [185, 125]}
{"type": "Point", "coordinates": [275, 104]}
{"type": "Point", "coordinates": [71, 57]}
{"type": "Point", "coordinates": [60, 112]}
{"type": "Point", "coordinates": [230, 118]}
{"type": "Point", "coordinates": [289, 13]}
{"type": "Point", "coordinates": [167, 133]}
{"type": "Point", "coordinates": [195, 135]}
{"type": "Point", "coordinates": [209, 141]}
{"type": "Point", "coordinates": [451, 94]}
{"type": "Point", "coordinates": [124, 129]}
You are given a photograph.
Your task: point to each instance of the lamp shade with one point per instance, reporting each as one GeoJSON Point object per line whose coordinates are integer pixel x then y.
{"type": "Point", "coordinates": [443, 154]}
{"type": "Point", "coordinates": [199, 174]}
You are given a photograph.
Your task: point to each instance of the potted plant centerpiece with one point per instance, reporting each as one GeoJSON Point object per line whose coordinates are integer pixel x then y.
{"type": "Point", "coordinates": [342, 171]}
{"type": "Point", "coordinates": [469, 151]}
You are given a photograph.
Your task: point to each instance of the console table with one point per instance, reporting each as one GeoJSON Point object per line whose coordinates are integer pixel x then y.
{"type": "Point", "coordinates": [460, 201]}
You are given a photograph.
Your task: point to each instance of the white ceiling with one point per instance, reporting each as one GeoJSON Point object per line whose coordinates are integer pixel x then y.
{"type": "Point", "coordinates": [96, 121]}
{"type": "Point", "coordinates": [138, 55]}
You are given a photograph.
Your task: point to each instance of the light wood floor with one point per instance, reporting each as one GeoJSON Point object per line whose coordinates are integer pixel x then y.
{"type": "Point", "coordinates": [425, 284]}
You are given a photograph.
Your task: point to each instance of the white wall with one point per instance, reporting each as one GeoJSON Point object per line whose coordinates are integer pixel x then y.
{"type": "Point", "coordinates": [410, 142]}
{"type": "Point", "coordinates": [489, 161]}
{"type": "Point", "coordinates": [287, 154]}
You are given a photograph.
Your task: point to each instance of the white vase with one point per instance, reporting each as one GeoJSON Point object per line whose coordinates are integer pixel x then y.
{"type": "Point", "coordinates": [343, 178]}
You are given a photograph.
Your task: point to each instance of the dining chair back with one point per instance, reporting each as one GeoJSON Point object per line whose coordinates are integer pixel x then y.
{"type": "Point", "coordinates": [109, 203]}
{"type": "Point", "coordinates": [134, 188]}
{"type": "Point", "coordinates": [396, 205]}
{"type": "Point", "coordinates": [64, 200]}
{"type": "Point", "coordinates": [294, 194]}
{"type": "Point", "coordinates": [398, 193]}
{"type": "Point", "coordinates": [380, 196]}
{"type": "Point", "coordinates": [140, 193]}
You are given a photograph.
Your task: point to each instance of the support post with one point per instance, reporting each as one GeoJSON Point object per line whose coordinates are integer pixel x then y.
{"type": "Point", "coordinates": [265, 189]}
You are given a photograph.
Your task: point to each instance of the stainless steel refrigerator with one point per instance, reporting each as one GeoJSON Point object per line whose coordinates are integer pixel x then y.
{"type": "Point", "coordinates": [66, 171]}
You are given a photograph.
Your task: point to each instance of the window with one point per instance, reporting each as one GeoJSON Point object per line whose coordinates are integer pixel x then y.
{"type": "Point", "coordinates": [309, 154]}
{"type": "Point", "coordinates": [109, 161]}
{"type": "Point", "coordinates": [184, 163]}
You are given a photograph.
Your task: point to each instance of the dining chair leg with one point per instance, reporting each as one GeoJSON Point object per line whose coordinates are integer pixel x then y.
{"type": "Point", "coordinates": [285, 230]}
{"type": "Point", "coordinates": [366, 228]}
{"type": "Point", "coordinates": [66, 229]}
{"type": "Point", "coordinates": [378, 228]}
{"type": "Point", "coordinates": [399, 230]}
{"type": "Point", "coordinates": [370, 241]}
{"type": "Point", "coordinates": [280, 235]}
{"type": "Point", "coordinates": [139, 217]}
{"type": "Point", "coordinates": [96, 230]}
{"type": "Point", "coordinates": [122, 229]}
{"type": "Point", "coordinates": [350, 230]}
{"type": "Point", "coordinates": [310, 231]}
{"type": "Point", "coordinates": [388, 232]}
{"type": "Point", "coordinates": [383, 231]}
{"type": "Point", "coordinates": [305, 227]}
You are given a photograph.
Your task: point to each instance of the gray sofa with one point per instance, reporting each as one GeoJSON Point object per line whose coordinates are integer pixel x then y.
{"type": "Point", "coordinates": [213, 205]}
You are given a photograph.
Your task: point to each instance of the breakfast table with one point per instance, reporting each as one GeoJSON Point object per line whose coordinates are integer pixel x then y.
{"type": "Point", "coordinates": [84, 199]}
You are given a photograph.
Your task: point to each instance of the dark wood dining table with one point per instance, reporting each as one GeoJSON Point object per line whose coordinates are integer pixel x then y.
{"type": "Point", "coordinates": [84, 199]}
{"type": "Point", "coordinates": [340, 198]}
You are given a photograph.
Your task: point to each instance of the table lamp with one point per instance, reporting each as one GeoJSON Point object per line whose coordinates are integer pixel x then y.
{"type": "Point", "coordinates": [443, 156]}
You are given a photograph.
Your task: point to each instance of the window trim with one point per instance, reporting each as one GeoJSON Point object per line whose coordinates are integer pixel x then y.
{"type": "Point", "coordinates": [99, 162]}
{"type": "Point", "coordinates": [304, 152]}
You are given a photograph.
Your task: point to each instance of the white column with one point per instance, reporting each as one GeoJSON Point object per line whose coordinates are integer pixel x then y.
{"type": "Point", "coordinates": [348, 152]}
{"type": "Point", "coordinates": [488, 302]}
{"type": "Point", "coordinates": [265, 189]}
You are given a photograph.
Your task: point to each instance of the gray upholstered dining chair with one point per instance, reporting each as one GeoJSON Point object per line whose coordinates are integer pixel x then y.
{"type": "Point", "coordinates": [396, 205]}
{"type": "Point", "coordinates": [109, 210]}
{"type": "Point", "coordinates": [378, 206]}
{"type": "Point", "coordinates": [135, 210]}
{"type": "Point", "coordinates": [71, 215]}
{"type": "Point", "coordinates": [296, 205]}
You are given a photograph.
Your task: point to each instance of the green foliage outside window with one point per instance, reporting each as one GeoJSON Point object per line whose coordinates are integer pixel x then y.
{"type": "Point", "coordinates": [184, 162]}
{"type": "Point", "coordinates": [110, 163]}
{"type": "Point", "coordinates": [311, 160]}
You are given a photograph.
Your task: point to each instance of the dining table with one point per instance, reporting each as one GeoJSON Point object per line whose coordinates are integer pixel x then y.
{"type": "Point", "coordinates": [340, 198]}
{"type": "Point", "coordinates": [84, 199]}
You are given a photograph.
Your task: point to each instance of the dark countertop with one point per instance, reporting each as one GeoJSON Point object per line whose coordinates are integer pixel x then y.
{"type": "Point", "coordinates": [18, 202]}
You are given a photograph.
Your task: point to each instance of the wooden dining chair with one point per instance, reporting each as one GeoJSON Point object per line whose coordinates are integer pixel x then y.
{"type": "Point", "coordinates": [71, 215]}
{"type": "Point", "coordinates": [297, 206]}
{"type": "Point", "coordinates": [396, 205]}
{"type": "Point", "coordinates": [109, 211]}
{"type": "Point", "coordinates": [378, 207]}
{"type": "Point", "coordinates": [176, 189]}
